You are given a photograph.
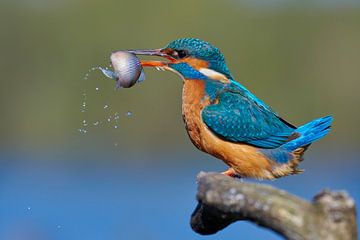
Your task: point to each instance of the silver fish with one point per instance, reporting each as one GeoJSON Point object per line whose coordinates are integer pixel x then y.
{"type": "Point", "coordinates": [127, 69]}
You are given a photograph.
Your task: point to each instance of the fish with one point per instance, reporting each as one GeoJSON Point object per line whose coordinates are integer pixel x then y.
{"type": "Point", "coordinates": [127, 70]}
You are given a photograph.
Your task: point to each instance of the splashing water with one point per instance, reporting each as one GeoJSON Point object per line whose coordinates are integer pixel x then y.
{"type": "Point", "coordinates": [83, 105]}
{"type": "Point", "coordinates": [81, 130]}
{"type": "Point", "coordinates": [116, 119]}
{"type": "Point", "coordinates": [111, 119]}
{"type": "Point", "coordinates": [83, 108]}
{"type": "Point", "coordinates": [106, 71]}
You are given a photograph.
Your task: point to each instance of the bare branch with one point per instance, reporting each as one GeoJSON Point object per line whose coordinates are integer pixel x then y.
{"type": "Point", "coordinates": [223, 200]}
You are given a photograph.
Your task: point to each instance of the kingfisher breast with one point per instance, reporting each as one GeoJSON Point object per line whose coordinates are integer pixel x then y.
{"type": "Point", "coordinates": [194, 99]}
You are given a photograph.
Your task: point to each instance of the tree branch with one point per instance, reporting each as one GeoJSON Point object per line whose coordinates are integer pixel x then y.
{"type": "Point", "coordinates": [223, 200]}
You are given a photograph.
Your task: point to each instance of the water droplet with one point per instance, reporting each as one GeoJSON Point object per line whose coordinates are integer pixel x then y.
{"type": "Point", "coordinates": [81, 130]}
{"type": "Point", "coordinates": [106, 106]}
{"type": "Point", "coordinates": [83, 105]}
{"type": "Point", "coordinates": [128, 113]}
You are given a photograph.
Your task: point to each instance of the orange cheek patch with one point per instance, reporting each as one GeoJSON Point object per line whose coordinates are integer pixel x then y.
{"type": "Point", "coordinates": [196, 63]}
{"type": "Point", "coordinates": [203, 67]}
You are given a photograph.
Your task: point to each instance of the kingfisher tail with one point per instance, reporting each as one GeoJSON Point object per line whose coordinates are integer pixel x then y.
{"type": "Point", "coordinates": [288, 156]}
{"type": "Point", "coordinates": [310, 133]}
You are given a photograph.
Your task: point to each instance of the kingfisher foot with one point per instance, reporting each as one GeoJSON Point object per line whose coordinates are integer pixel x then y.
{"type": "Point", "coordinates": [231, 173]}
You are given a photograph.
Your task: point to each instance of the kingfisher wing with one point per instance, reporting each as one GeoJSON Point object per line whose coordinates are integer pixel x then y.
{"type": "Point", "coordinates": [239, 117]}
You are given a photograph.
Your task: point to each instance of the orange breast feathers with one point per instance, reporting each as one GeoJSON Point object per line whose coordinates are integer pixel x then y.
{"type": "Point", "coordinates": [246, 160]}
{"type": "Point", "coordinates": [193, 101]}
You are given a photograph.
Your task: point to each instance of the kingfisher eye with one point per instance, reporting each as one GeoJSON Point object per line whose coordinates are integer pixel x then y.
{"type": "Point", "coordinates": [180, 54]}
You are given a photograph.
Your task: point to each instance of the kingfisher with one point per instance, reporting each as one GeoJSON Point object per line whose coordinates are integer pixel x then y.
{"type": "Point", "coordinates": [226, 120]}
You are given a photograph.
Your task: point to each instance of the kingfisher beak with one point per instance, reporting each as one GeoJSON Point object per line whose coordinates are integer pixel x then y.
{"type": "Point", "coordinates": [153, 52]}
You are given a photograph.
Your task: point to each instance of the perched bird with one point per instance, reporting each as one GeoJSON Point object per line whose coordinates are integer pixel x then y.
{"type": "Point", "coordinates": [226, 120]}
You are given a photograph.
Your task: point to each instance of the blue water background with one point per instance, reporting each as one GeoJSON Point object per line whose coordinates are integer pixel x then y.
{"type": "Point", "coordinates": [77, 197]}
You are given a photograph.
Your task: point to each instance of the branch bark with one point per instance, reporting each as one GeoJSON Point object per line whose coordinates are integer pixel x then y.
{"type": "Point", "coordinates": [223, 200]}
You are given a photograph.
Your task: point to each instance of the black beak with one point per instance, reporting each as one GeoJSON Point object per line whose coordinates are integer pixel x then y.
{"type": "Point", "coordinates": [153, 52]}
{"type": "Point", "coordinates": [149, 52]}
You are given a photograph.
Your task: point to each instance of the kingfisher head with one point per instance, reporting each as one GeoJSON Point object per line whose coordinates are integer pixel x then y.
{"type": "Point", "coordinates": [191, 58]}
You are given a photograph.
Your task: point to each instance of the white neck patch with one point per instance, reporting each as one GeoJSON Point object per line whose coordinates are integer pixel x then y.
{"type": "Point", "coordinates": [212, 74]}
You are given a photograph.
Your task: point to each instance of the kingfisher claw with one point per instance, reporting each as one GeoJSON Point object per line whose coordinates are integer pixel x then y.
{"type": "Point", "coordinates": [231, 173]}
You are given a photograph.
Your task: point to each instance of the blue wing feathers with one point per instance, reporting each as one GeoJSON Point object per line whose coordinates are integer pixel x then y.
{"type": "Point", "coordinates": [241, 117]}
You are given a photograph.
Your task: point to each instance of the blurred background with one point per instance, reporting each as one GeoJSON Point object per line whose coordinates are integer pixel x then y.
{"type": "Point", "coordinates": [124, 167]}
